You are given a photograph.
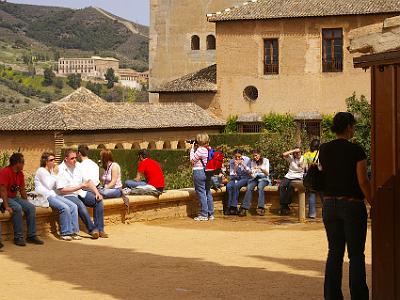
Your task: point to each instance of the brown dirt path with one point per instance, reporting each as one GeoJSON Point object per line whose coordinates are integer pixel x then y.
{"type": "Point", "coordinates": [229, 258]}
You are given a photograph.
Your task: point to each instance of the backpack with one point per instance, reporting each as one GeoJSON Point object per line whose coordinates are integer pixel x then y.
{"type": "Point", "coordinates": [215, 160]}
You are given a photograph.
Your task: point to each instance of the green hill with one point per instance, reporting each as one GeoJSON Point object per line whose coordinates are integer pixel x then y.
{"type": "Point", "coordinates": [52, 32]}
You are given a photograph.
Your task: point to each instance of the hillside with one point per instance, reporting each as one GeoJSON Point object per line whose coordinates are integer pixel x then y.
{"type": "Point", "coordinates": [56, 31]}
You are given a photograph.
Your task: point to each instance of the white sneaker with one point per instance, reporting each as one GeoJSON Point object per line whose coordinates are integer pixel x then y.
{"type": "Point", "coordinates": [200, 218]}
{"type": "Point", "coordinates": [66, 238]}
{"type": "Point", "coordinates": [76, 237]}
{"type": "Point", "coordinates": [211, 218]}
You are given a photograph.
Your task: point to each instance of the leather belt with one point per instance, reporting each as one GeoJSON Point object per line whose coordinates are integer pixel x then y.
{"type": "Point", "coordinates": [344, 198]}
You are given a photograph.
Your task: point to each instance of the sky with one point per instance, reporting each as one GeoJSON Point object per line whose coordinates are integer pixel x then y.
{"type": "Point", "coordinates": [133, 10]}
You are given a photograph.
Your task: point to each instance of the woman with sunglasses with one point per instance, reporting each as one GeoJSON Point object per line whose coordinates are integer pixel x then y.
{"type": "Point", "coordinates": [45, 185]}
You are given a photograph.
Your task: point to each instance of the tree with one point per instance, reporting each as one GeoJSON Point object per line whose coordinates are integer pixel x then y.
{"type": "Point", "coordinates": [74, 81]}
{"type": "Point", "coordinates": [111, 78]}
{"type": "Point", "coordinates": [94, 87]}
{"type": "Point", "coordinates": [59, 83]}
{"type": "Point", "coordinates": [49, 76]}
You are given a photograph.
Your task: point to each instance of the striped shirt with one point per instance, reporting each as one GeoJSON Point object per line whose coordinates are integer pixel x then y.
{"type": "Point", "coordinates": [201, 154]}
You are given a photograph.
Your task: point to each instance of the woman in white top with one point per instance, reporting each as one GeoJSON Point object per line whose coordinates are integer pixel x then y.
{"type": "Point", "coordinates": [259, 177]}
{"type": "Point", "coordinates": [296, 172]}
{"type": "Point", "coordinates": [111, 179]}
{"type": "Point", "coordinates": [45, 185]}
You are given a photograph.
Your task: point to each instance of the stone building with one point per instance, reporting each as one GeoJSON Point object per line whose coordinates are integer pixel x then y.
{"type": "Point", "coordinates": [272, 56]}
{"type": "Point", "coordinates": [181, 39]}
{"type": "Point", "coordinates": [84, 118]}
{"type": "Point", "coordinates": [132, 79]}
{"type": "Point", "coordinates": [94, 66]}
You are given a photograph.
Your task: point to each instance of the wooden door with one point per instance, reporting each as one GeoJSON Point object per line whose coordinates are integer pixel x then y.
{"type": "Point", "coordinates": [386, 183]}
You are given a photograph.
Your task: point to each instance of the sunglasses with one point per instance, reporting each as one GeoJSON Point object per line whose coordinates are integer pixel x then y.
{"type": "Point", "coordinates": [72, 158]}
{"type": "Point", "coordinates": [51, 159]}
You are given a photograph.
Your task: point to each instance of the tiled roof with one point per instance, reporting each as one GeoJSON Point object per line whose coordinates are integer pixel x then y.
{"type": "Point", "coordinates": [83, 110]}
{"type": "Point", "coordinates": [204, 80]}
{"type": "Point", "coordinates": [277, 9]}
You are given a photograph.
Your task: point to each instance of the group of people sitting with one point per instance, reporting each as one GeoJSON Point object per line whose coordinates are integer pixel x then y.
{"type": "Point", "coordinates": [250, 173]}
{"type": "Point", "coordinates": [70, 188]}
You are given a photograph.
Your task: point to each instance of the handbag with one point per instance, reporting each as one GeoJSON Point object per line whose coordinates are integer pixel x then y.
{"type": "Point", "coordinates": [313, 180]}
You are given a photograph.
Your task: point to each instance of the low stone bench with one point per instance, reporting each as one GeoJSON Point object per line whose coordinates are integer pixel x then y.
{"type": "Point", "coordinates": [171, 204]}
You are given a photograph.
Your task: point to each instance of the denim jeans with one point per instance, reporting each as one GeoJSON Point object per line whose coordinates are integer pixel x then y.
{"type": "Point", "coordinates": [133, 184]}
{"type": "Point", "coordinates": [98, 211]}
{"type": "Point", "coordinates": [18, 206]}
{"type": "Point", "coordinates": [110, 193]}
{"type": "Point", "coordinates": [260, 184]}
{"type": "Point", "coordinates": [233, 187]}
{"type": "Point", "coordinates": [202, 188]}
{"type": "Point", "coordinates": [346, 224]}
{"type": "Point", "coordinates": [68, 214]}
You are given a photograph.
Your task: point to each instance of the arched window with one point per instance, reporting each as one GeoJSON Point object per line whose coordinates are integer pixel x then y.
{"type": "Point", "coordinates": [195, 42]}
{"type": "Point", "coordinates": [211, 42]}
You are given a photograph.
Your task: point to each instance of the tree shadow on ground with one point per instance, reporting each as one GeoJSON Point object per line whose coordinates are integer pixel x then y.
{"type": "Point", "coordinates": [129, 274]}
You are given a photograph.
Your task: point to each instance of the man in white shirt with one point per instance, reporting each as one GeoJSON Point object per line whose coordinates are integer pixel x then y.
{"type": "Point", "coordinates": [90, 170]}
{"type": "Point", "coordinates": [73, 186]}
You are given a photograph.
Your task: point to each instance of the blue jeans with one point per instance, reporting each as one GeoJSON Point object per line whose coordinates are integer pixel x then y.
{"type": "Point", "coordinates": [260, 184]}
{"type": "Point", "coordinates": [110, 193]}
{"type": "Point", "coordinates": [312, 201]}
{"type": "Point", "coordinates": [98, 211]}
{"type": "Point", "coordinates": [346, 224]}
{"type": "Point", "coordinates": [233, 187]}
{"type": "Point", "coordinates": [68, 214]}
{"type": "Point", "coordinates": [202, 188]}
{"type": "Point", "coordinates": [18, 205]}
{"type": "Point", "coordinates": [133, 184]}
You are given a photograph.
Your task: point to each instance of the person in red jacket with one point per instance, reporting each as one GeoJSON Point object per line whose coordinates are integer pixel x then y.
{"type": "Point", "coordinates": [150, 170]}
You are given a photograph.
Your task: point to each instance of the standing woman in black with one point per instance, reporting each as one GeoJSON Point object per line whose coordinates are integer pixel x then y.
{"type": "Point", "coordinates": [346, 185]}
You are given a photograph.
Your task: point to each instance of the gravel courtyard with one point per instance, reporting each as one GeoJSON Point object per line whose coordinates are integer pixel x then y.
{"type": "Point", "coordinates": [229, 258]}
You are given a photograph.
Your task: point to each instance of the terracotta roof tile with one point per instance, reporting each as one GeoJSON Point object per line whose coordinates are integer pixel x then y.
{"type": "Point", "coordinates": [83, 110]}
{"type": "Point", "coordinates": [204, 80]}
{"type": "Point", "coordinates": [277, 9]}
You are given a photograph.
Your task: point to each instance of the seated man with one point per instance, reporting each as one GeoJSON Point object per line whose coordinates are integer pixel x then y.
{"type": "Point", "coordinates": [150, 170]}
{"type": "Point", "coordinates": [12, 181]}
{"type": "Point", "coordinates": [239, 169]}
{"type": "Point", "coordinates": [90, 170]}
{"type": "Point", "coordinates": [72, 185]}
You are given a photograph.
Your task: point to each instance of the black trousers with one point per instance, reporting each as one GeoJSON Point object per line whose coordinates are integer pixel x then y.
{"type": "Point", "coordinates": [285, 192]}
{"type": "Point", "coordinates": [346, 225]}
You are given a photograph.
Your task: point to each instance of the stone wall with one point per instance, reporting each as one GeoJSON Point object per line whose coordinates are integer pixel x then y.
{"type": "Point", "coordinates": [206, 100]}
{"type": "Point", "coordinates": [301, 85]}
{"type": "Point", "coordinates": [30, 144]}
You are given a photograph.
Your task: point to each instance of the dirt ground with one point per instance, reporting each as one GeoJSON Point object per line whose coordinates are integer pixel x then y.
{"type": "Point", "coordinates": [229, 258]}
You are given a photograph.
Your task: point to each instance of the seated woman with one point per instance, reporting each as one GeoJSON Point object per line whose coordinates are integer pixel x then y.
{"type": "Point", "coordinates": [111, 179]}
{"type": "Point", "coordinates": [296, 172]}
{"type": "Point", "coordinates": [45, 185]}
{"type": "Point", "coordinates": [259, 177]}
{"type": "Point", "coordinates": [239, 169]}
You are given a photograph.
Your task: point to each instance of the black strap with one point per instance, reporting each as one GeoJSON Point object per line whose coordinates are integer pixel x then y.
{"type": "Point", "coordinates": [315, 157]}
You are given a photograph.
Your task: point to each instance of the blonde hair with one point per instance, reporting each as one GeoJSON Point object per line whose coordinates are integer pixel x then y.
{"type": "Point", "coordinates": [202, 139]}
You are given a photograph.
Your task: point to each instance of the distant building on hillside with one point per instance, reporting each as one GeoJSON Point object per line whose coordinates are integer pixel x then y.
{"type": "Point", "coordinates": [94, 66]}
{"type": "Point", "coordinates": [132, 79]}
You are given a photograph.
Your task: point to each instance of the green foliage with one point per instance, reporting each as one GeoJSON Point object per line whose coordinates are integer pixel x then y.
{"type": "Point", "coordinates": [59, 83]}
{"type": "Point", "coordinates": [111, 78]}
{"type": "Point", "coordinates": [231, 124]}
{"type": "Point", "coordinates": [4, 157]}
{"type": "Point", "coordinates": [361, 109]}
{"type": "Point", "coordinates": [235, 139]}
{"type": "Point", "coordinates": [74, 80]}
{"type": "Point", "coordinates": [278, 123]}
{"type": "Point", "coordinates": [48, 77]}
{"type": "Point", "coordinates": [94, 87]}
{"type": "Point", "coordinates": [326, 133]}
{"type": "Point", "coordinates": [175, 164]}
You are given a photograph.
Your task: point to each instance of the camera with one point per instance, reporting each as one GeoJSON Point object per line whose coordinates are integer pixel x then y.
{"type": "Point", "coordinates": [14, 188]}
{"type": "Point", "coordinates": [192, 142]}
